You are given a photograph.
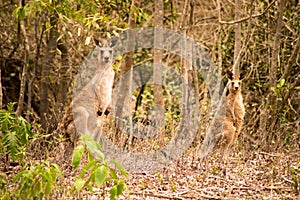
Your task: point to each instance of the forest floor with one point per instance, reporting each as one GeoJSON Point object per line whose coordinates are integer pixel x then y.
{"type": "Point", "coordinates": [259, 176]}
{"type": "Point", "coordinates": [245, 175]}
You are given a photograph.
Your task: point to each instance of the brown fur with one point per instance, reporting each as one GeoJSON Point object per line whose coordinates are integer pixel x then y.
{"type": "Point", "coordinates": [93, 99]}
{"type": "Point", "coordinates": [235, 112]}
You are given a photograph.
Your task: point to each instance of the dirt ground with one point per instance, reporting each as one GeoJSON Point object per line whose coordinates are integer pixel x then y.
{"type": "Point", "coordinates": [247, 175]}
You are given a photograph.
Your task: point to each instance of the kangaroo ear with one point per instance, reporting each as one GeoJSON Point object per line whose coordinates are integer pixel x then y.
{"type": "Point", "coordinates": [242, 75]}
{"type": "Point", "coordinates": [97, 42]}
{"type": "Point", "coordinates": [230, 74]}
{"type": "Point", "coordinates": [114, 41]}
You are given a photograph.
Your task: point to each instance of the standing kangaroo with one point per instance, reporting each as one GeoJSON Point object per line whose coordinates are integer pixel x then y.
{"type": "Point", "coordinates": [94, 98]}
{"type": "Point", "coordinates": [235, 112]}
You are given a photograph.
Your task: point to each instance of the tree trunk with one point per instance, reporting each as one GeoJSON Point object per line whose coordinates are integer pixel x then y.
{"type": "Point", "coordinates": [157, 61]}
{"type": "Point", "coordinates": [26, 62]}
{"type": "Point", "coordinates": [237, 35]}
{"type": "Point", "coordinates": [63, 82]}
{"type": "Point", "coordinates": [126, 80]}
{"type": "Point", "coordinates": [46, 67]}
{"type": "Point", "coordinates": [38, 39]}
{"type": "Point", "coordinates": [267, 123]}
{"type": "Point", "coordinates": [276, 46]}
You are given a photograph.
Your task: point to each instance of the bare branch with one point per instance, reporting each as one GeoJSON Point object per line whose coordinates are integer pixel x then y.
{"type": "Point", "coordinates": [248, 17]}
{"type": "Point", "coordinates": [292, 60]}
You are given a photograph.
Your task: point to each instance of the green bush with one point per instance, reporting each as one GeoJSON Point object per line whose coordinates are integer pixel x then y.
{"type": "Point", "coordinates": [36, 182]}
{"type": "Point", "coordinates": [98, 168]}
{"type": "Point", "coordinates": [4, 194]}
{"type": "Point", "coordinates": [16, 133]}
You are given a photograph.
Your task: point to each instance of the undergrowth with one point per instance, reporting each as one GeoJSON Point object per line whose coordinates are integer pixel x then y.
{"type": "Point", "coordinates": [38, 179]}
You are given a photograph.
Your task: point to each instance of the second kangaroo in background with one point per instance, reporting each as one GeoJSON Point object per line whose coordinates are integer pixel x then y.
{"type": "Point", "coordinates": [235, 112]}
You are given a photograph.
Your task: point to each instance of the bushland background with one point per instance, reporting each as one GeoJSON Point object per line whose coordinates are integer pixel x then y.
{"type": "Point", "coordinates": [43, 43]}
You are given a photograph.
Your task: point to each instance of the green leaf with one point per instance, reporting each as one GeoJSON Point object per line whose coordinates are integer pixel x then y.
{"type": "Point", "coordinates": [52, 173]}
{"type": "Point", "coordinates": [100, 175]}
{"type": "Point", "coordinates": [46, 174]}
{"type": "Point", "coordinates": [57, 168]}
{"type": "Point", "coordinates": [79, 184]}
{"type": "Point", "coordinates": [127, 191]}
{"type": "Point", "coordinates": [99, 155]}
{"type": "Point", "coordinates": [6, 119]}
{"type": "Point", "coordinates": [48, 189]}
{"type": "Point", "coordinates": [120, 168]}
{"type": "Point", "coordinates": [12, 143]}
{"type": "Point", "coordinates": [273, 89]}
{"type": "Point", "coordinates": [113, 174]}
{"type": "Point", "coordinates": [89, 187]}
{"type": "Point", "coordinates": [292, 170]}
{"type": "Point", "coordinates": [281, 83]}
{"type": "Point", "coordinates": [92, 146]}
{"type": "Point", "coordinates": [87, 167]}
{"type": "Point", "coordinates": [77, 155]}
{"type": "Point", "coordinates": [37, 186]}
{"type": "Point", "coordinates": [120, 188]}
{"type": "Point", "coordinates": [19, 175]}
{"type": "Point", "coordinates": [90, 157]}
{"type": "Point", "coordinates": [113, 192]}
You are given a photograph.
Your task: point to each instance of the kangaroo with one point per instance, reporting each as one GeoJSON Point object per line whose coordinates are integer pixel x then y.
{"type": "Point", "coordinates": [235, 112]}
{"type": "Point", "coordinates": [94, 99]}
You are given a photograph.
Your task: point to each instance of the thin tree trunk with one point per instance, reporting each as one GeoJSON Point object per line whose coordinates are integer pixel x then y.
{"type": "Point", "coordinates": [126, 83]}
{"type": "Point", "coordinates": [157, 61]}
{"type": "Point", "coordinates": [46, 67]}
{"type": "Point", "coordinates": [35, 64]}
{"type": "Point", "coordinates": [186, 60]}
{"type": "Point", "coordinates": [237, 35]}
{"type": "Point", "coordinates": [275, 52]}
{"type": "Point", "coordinates": [276, 46]}
{"type": "Point", "coordinates": [193, 76]}
{"type": "Point", "coordinates": [26, 62]}
{"type": "Point", "coordinates": [267, 123]}
{"type": "Point", "coordinates": [63, 79]}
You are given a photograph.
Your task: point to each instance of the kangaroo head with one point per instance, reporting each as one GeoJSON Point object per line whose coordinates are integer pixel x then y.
{"type": "Point", "coordinates": [105, 50]}
{"type": "Point", "coordinates": [235, 85]}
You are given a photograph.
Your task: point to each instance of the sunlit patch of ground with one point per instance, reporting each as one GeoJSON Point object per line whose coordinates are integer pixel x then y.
{"type": "Point", "coordinates": [257, 176]}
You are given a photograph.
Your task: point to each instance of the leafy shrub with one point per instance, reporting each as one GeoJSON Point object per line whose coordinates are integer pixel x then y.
{"type": "Point", "coordinates": [100, 171]}
{"type": "Point", "coordinates": [16, 133]}
{"type": "Point", "coordinates": [36, 182]}
{"type": "Point", "coordinates": [4, 194]}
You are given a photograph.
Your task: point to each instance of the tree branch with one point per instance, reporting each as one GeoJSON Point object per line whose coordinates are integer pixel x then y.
{"type": "Point", "coordinates": [248, 17]}
{"type": "Point", "coordinates": [291, 60]}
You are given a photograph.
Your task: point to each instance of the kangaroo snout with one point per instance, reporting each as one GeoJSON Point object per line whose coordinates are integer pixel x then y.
{"type": "Point", "coordinates": [106, 59]}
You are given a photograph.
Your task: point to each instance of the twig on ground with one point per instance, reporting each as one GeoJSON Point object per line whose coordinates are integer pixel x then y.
{"type": "Point", "coordinates": [268, 154]}
{"type": "Point", "coordinates": [157, 195]}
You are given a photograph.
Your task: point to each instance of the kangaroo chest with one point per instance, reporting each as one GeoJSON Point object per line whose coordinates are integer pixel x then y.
{"type": "Point", "coordinates": [103, 89]}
